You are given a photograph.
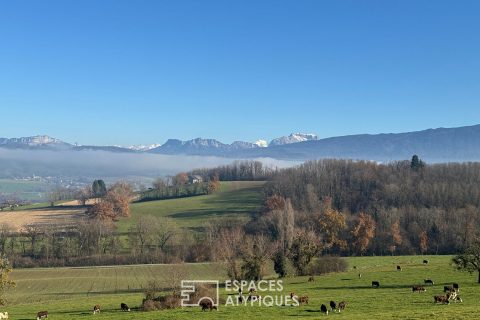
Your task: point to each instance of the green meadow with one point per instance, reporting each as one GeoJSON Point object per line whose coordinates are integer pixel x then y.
{"type": "Point", "coordinates": [237, 199]}
{"type": "Point", "coordinates": [70, 293]}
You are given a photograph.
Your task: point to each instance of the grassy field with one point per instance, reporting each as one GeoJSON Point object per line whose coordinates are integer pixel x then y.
{"type": "Point", "coordinates": [70, 293]}
{"type": "Point", "coordinates": [28, 190]}
{"type": "Point", "coordinates": [238, 199]}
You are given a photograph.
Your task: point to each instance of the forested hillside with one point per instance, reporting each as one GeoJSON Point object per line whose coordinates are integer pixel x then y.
{"type": "Point", "coordinates": [414, 207]}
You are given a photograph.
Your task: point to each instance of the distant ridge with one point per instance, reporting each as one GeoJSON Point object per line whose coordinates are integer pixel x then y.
{"type": "Point", "coordinates": [433, 145]}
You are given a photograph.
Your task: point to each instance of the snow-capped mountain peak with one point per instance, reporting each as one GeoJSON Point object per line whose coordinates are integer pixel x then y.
{"type": "Point", "coordinates": [34, 141]}
{"type": "Point", "coordinates": [144, 147]}
{"type": "Point", "coordinates": [293, 138]}
{"type": "Point", "coordinates": [261, 143]}
{"type": "Point", "coordinates": [40, 140]}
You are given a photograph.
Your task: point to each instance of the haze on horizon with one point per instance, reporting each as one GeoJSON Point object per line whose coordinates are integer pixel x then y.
{"type": "Point", "coordinates": [143, 72]}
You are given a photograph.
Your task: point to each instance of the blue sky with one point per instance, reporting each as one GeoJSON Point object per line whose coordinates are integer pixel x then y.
{"type": "Point", "coordinates": [129, 72]}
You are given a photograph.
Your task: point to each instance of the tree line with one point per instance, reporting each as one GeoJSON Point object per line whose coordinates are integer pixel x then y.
{"type": "Point", "coordinates": [246, 170]}
{"type": "Point", "coordinates": [180, 186]}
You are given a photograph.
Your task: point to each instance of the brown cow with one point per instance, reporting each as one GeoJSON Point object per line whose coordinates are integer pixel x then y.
{"type": "Point", "coordinates": [441, 299]}
{"type": "Point", "coordinates": [418, 289]}
{"type": "Point", "coordinates": [42, 315]}
{"type": "Point", "coordinates": [96, 309]}
{"type": "Point", "coordinates": [207, 304]}
{"type": "Point", "coordinates": [311, 279]}
{"type": "Point", "coordinates": [302, 299]}
{"type": "Point", "coordinates": [341, 306]}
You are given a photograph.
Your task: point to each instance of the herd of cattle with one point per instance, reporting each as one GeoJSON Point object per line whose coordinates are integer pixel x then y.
{"type": "Point", "coordinates": [96, 309]}
{"type": "Point", "coordinates": [44, 314]}
{"type": "Point", "coordinates": [451, 293]}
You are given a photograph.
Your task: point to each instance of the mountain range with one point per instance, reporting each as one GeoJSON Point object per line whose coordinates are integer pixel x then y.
{"type": "Point", "coordinates": [434, 145]}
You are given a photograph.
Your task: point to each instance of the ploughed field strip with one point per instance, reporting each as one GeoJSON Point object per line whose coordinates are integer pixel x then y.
{"type": "Point", "coordinates": [60, 216]}
{"type": "Point", "coordinates": [70, 293]}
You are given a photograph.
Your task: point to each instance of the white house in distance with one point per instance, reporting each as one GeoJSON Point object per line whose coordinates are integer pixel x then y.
{"type": "Point", "coordinates": [195, 179]}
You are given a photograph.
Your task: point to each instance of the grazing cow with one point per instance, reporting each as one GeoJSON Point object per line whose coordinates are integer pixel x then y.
{"type": "Point", "coordinates": [418, 289]}
{"type": "Point", "coordinates": [452, 295]}
{"type": "Point", "coordinates": [354, 267]}
{"type": "Point", "coordinates": [42, 315]}
{"type": "Point", "coordinates": [429, 281]}
{"type": "Point", "coordinates": [311, 279]}
{"type": "Point", "coordinates": [341, 306]}
{"type": "Point", "coordinates": [207, 304]}
{"type": "Point", "coordinates": [359, 275]}
{"type": "Point", "coordinates": [375, 284]}
{"type": "Point", "coordinates": [456, 287]}
{"type": "Point", "coordinates": [448, 289]}
{"type": "Point", "coordinates": [425, 261]}
{"type": "Point", "coordinates": [124, 307]}
{"type": "Point", "coordinates": [399, 268]}
{"type": "Point", "coordinates": [441, 299]}
{"type": "Point", "coordinates": [4, 315]}
{"type": "Point", "coordinates": [324, 309]}
{"type": "Point", "coordinates": [294, 298]}
{"type": "Point", "coordinates": [253, 297]}
{"type": "Point", "coordinates": [96, 309]}
{"type": "Point", "coordinates": [303, 299]}
{"type": "Point", "coordinates": [333, 305]}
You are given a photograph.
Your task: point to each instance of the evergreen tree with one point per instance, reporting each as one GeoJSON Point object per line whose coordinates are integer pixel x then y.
{"type": "Point", "coordinates": [280, 264]}
{"type": "Point", "coordinates": [99, 189]}
{"type": "Point", "coordinates": [416, 163]}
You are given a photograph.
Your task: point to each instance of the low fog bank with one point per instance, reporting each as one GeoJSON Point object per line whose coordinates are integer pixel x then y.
{"type": "Point", "coordinates": [22, 163]}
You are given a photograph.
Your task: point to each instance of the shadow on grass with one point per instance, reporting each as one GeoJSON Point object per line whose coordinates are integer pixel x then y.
{"type": "Point", "coordinates": [387, 286]}
{"type": "Point", "coordinates": [231, 202]}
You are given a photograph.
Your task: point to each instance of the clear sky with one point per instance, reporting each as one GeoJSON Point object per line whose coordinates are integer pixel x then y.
{"type": "Point", "coordinates": [130, 72]}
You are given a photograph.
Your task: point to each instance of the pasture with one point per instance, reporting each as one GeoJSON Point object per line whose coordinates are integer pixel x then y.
{"type": "Point", "coordinates": [236, 199]}
{"type": "Point", "coordinates": [71, 293]}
